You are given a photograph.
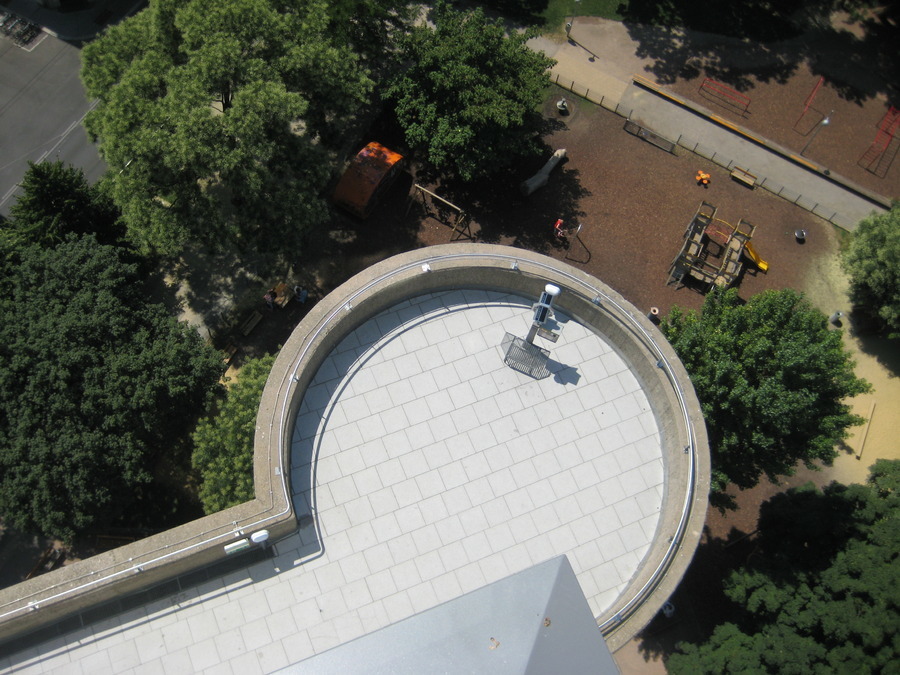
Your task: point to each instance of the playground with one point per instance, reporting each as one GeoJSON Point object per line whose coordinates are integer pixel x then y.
{"type": "Point", "coordinates": [634, 203]}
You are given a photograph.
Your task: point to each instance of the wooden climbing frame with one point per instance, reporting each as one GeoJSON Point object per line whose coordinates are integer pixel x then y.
{"type": "Point", "coordinates": [461, 223]}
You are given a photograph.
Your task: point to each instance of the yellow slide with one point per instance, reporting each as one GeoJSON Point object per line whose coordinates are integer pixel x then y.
{"type": "Point", "coordinates": [754, 256]}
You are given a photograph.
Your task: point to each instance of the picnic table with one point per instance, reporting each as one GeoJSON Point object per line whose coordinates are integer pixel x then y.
{"type": "Point", "coordinates": [283, 294]}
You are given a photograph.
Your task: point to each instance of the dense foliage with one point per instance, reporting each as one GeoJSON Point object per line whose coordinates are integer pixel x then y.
{"type": "Point", "coordinates": [873, 261]}
{"type": "Point", "coordinates": [822, 592]}
{"type": "Point", "coordinates": [468, 100]}
{"type": "Point", "coordinates": [212, 117]}
{"type": "Point", "coordinates": [370, 27]}
{"type": "Point", "coordinates": [95, 383]}
{"type": "Point", "coordinates": [57, 200]}
{"type": "Point", "coordinates": [772, 380]}
{"type": "Point", "coordinates": [223, 441]}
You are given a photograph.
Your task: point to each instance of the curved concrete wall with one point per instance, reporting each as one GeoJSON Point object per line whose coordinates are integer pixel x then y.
{"type": "Point", "coordinates": [586, 299]}
{"type": "Point", "coordinates": [49, 598]}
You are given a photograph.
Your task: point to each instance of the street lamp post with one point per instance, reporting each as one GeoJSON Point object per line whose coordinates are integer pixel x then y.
{"type": "Point", "coordinates": [824, 123]}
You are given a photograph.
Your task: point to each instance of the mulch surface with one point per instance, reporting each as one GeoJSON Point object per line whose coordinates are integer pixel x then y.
{"type": "Point", "coordinates": [634, 201]}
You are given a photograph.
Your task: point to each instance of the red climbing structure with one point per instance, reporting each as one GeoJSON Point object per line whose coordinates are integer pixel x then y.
{"type": "Point", "coordinates": [886, 130]}
{"type": "Point", "coordinates": [810, 99]}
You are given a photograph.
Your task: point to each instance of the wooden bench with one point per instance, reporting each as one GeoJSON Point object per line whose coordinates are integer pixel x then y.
{"type": "Point", "coordinates": [251, 322]}
{"type": "Point", "coordinates": [743, 176]}
{"type": "Point", "coordinates": [651, 137]}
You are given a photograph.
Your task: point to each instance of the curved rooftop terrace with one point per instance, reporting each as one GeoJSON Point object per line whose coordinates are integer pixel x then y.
{"type": "Point", "coordinates": [422, 466]}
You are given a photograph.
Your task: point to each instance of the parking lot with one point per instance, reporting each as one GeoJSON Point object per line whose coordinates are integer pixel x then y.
{"type": "Point", "coordinates": [43, 104]}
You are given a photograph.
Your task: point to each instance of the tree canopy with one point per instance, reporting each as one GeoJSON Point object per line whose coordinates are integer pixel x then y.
{"type": "Point", "coordinates": [822, 592]}
{"type": "Point", "coordinates": [772, 380]}
{"type": "Point", "coordinates": [467, 100]}
{"type": "Point", "coordinates": [873, 261]}
{"type": "Point", "coordinates": [223, 441]}
{"type": "Point", "coordinates": [370, 26]}
{"type": "Point", "coordinates": [211, 116]}
{"type": "Point", "coordinates": [57, 200]}
{"type": "Point", "coordinates": [95, 383]}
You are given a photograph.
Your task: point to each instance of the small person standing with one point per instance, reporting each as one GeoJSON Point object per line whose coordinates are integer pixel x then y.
{"type": "Point", "coordinates": [269, 297]}
{"type": "Point", "coordinates": [558, 230]}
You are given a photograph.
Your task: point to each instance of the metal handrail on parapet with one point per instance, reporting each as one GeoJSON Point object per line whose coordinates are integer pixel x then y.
{"type": "Point", "coordinates": [599, 298]}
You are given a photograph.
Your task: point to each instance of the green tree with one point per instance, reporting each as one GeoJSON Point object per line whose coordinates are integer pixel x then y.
{"type": "Point", "coordinates": [223, 441]}
{"type": "Point", "coordinates": [57, 200]}
{"type": "Point", "coordinates": [370, 26]}
{"type": "Point", "coordinates": [96, 385]}
{"type": "Point", "coordinates": [822, 594]}
{"type": "Point", "coordinates": [467, 101]}
{"type": "Point", "coordinates": [772, 380]}
{"type": "Point", "coordinates": [873, 262]}
{"type": "Point", "coordinates": [211, 116]}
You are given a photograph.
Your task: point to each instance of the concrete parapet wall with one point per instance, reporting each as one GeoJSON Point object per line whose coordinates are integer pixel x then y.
{"type": "Point", "coordinates": [591, 303]}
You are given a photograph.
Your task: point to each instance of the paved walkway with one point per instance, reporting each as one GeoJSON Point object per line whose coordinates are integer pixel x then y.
{"type": "Point", "coordinates": [600, 61]}
{"type": "Point", "coordinates": [437, 470]}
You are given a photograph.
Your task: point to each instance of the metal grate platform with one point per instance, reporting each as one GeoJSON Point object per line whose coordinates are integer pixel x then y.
{"type": "Point", "coordinates": [524, 357]}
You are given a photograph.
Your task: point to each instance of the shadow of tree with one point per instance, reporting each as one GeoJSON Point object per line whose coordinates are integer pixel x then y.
{"type": "Point", "coordinates": [513, 12]}
{"type": "Point", "coordinates": [884, 349]}
{"type": "Point", "coordinates": [699, 601]}
{"type": "Point", "coordinates": [681, 54]}
{"type": "Point", "coordinates": [752, 19]}
{"type": "Point", "coordinates": [738, 43]}
{"type": "Point", "coordinates": [505, 215]}
{"type": "Point", "coordinates": [799, 532]}
{"type": "Point", "coordinates": [213, 285]}
{"type": "Point", "coordinates": [351, 244]}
